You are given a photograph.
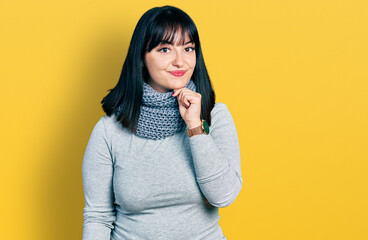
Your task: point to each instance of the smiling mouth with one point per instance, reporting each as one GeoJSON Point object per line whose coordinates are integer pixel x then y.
{"type": "Point", "coordinates": [177, 73]}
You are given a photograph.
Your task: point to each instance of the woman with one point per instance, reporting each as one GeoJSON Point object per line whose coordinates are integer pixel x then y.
{"type": "Point", "coordinates": [152, 169]}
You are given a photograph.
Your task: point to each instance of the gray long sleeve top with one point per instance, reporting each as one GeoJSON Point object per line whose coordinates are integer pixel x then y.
{"type": "Point", "coordinates": [138, 188]}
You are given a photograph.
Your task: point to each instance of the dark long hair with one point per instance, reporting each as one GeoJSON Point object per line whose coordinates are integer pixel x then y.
{"type": "Point", "coordinates": [157, 25]}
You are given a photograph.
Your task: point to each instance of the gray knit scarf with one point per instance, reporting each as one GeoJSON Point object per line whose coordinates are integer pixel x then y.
{"type": "Point", "coordinates": [159, 114]}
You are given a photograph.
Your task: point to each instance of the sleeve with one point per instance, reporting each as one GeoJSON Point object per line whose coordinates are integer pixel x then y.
{"type": "Point", "coordinates": [216, 159]}
{"type": "Point", "coordinates": [97, 171]}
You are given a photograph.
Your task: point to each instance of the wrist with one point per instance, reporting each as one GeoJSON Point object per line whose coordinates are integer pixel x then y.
{"type": "Point", "coordinates": [203, 128]}
{"type": "Point", "coordinates": [193, 124]}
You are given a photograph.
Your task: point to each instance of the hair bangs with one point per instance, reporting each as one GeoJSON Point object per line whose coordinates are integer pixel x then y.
{"type": "Point", "coordinates": [167, 29]}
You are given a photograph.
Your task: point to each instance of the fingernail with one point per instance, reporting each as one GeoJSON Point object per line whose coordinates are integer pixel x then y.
{"type": "Point", "coordinates": [172, 94]}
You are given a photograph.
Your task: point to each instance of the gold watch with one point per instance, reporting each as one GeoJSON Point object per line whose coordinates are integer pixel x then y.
{"type": "Point", "coordinates": [204, 128]}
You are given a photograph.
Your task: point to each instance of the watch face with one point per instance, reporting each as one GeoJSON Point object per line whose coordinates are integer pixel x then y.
{"type": "Point", "coordinates": [206, 128]}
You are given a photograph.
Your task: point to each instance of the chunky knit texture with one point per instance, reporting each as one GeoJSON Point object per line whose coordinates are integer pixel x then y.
{"type": "Point", "coordinates": [159, 114]}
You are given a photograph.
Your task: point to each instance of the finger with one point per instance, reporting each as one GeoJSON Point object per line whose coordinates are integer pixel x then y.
{"type": "Point", "coordinates": [180, 90]}
{"type": "Point", "coordinates": [177, 92]}
{"type": "Point", "coordinates": [182, 100]}
{"type": "Point", "coordinates": [188, 97]}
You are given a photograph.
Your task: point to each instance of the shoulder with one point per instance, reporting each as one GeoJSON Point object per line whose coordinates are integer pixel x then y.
{"type": "Point", "coordinates": [110, 122]}
{"type": "Point", "coordinates": [104, 125]}
{"type": "Point", "coordinates": [113, 127]}
{"type": "Point", "coordinates": [218, 108]}
{"type": "Point", "coordinates": [221, 116]}
{"type": "Point", "coordinates": [99, 127]}
{"type": "Point", "coordinates": [219, 111]}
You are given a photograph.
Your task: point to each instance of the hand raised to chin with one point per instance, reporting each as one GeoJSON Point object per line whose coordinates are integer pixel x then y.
{"type": "Point", "coordinates": [189, 106]}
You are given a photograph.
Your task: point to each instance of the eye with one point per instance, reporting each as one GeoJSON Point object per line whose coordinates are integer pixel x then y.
{"type": "Point", "coordinates": [164, 50]}
{"type": "Point", "coordinates": [189, 49]}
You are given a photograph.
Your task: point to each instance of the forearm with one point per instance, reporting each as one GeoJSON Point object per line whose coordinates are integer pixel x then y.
{"type": "Point", "coordinates": [219, 179]}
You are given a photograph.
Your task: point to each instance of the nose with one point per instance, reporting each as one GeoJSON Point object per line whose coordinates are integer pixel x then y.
{"type": "Point", "coordinates": [178, 59]}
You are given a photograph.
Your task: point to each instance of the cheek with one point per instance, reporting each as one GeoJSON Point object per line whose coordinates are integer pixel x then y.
{"type": "Point", "coordinates": [151, 66]}
{"type": "Point", "coordinates": [193, 62]}
{"type": "Point", "coordinates": [158, 64]}
{"type": "Point", "coordinates": [153, 62]}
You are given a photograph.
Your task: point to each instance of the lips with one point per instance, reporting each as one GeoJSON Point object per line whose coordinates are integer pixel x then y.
{"type": "Point", "coordinates": [178, 73]}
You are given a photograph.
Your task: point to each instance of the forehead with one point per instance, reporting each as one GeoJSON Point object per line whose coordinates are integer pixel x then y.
{"type": "Point", "coordinates": [180, 40]}
{"type": "Point", "coordinates": [176, 37]}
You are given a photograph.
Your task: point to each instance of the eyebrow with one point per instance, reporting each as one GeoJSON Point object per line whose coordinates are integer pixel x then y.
{"type": "Point", "coordinates": [189, 42]}
{"type": "Point", "coordinates": [170, 42]}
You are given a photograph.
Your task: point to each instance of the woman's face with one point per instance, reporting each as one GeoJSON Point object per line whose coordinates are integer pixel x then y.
{"type": "Point", "coordinates": [170, 66]}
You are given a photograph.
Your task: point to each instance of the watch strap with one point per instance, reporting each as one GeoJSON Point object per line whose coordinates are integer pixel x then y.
{"type": "Point", "coordinates": [196, 131]}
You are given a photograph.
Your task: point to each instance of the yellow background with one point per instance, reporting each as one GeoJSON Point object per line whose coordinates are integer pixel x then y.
{"type": "Point", "coordinates": [293, 74]}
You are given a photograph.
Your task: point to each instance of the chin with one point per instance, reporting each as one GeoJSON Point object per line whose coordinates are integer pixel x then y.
{"type": "Point", "coordinates": [179, 84]}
